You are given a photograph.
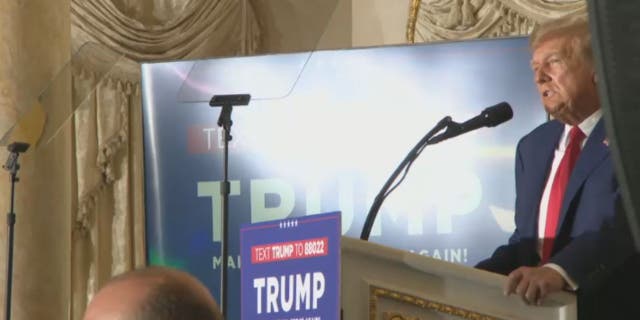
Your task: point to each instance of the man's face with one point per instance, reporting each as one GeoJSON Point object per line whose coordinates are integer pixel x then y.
{"type": "Point", "coordinates": [565, 82]}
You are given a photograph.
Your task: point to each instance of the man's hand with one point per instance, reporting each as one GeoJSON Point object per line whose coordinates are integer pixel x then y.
{"type": "Point", "coordinates": [533, 284]}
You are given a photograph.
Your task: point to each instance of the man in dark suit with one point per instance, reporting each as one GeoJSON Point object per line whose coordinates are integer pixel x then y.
{"type": "Point", "coordinates": [566, 189]}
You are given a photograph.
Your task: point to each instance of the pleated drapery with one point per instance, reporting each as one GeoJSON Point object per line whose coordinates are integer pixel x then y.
{"type": "Point", "coordinates": [110, 39]}
{"type": "Point", "coordinates": [204, 28]}
{"type": "Point", "coordinates": [434, 20]}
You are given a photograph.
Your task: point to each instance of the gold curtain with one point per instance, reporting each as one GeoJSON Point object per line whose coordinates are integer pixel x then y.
{"type": "Point", "coordinates": [111, 38]}
{"type": "Point", "coordinates": [108, 233]}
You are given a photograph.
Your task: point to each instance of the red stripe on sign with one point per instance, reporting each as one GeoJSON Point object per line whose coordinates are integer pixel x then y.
{"type": "Point", "coordinates": [281, 251]}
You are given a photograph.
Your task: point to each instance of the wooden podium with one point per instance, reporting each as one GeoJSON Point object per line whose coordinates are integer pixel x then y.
{"type": "Point", "coordinates": [382, 283]}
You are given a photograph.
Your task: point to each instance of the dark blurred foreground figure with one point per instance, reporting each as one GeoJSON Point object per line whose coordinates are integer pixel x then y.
{"type": "Point", "coordinates": [154, 293]}
{"type": "Point", "coordinates": [570, 234]}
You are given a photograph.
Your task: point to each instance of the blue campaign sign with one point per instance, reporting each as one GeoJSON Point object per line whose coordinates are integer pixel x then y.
{"type": "Point", "coordinates": [291, 268]}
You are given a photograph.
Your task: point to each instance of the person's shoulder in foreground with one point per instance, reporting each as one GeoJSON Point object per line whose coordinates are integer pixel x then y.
{"type": "Point", "coordinates": [157, 293]}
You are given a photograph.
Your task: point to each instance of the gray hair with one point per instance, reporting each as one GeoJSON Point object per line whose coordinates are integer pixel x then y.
{"type": "Point", "coordinates": [574, 28]}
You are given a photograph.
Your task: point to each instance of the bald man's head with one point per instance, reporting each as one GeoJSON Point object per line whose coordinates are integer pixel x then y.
{"type": "Point", "coordinates": [153, 293]}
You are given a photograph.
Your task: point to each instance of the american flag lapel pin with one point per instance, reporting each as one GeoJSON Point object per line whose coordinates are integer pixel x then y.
{"type": "Point", "coordinates": [605, 142]}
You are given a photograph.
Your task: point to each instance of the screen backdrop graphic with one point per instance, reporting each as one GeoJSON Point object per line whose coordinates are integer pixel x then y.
{"type": "Point", "coordinates": [322, 133]}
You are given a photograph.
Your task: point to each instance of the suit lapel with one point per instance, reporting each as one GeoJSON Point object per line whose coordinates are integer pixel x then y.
{"type": "Point", "coordinates": [592, 154]}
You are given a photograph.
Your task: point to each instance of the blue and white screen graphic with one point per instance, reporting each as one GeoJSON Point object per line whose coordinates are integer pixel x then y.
{"type": "Point", "coordinates": [323, 132]}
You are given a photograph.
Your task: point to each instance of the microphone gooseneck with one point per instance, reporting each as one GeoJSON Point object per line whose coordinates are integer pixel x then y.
{"type": "Point", "coordinates": [489, 117]}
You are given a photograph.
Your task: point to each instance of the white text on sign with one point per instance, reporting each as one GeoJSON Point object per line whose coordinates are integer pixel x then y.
{"type": "Point", "coordinates": [297, 291]}
{"type": "Point", "coordinates": [299, 249]}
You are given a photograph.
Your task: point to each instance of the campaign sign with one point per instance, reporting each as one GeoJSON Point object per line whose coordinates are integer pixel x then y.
{"type": "Point", "coordinates": [291, 269]}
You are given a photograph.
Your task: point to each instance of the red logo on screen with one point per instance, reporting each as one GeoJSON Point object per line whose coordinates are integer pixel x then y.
{"type": "Point", "coordinates": [201, 139]}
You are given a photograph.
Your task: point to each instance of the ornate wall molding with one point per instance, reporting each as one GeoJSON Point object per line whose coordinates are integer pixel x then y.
{"type": "Point", "coordinates": [434, 20]}
{"type": "Point", "coordinates": [191, 29]}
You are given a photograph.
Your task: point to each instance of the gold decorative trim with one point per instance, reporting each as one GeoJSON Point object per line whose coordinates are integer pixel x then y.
{"type": "Point", "coordinates": [414, 7]}
{"type": "Point", "coordinates": [376, 293]}
{"type": "Point", "coordinates": [397, 316]}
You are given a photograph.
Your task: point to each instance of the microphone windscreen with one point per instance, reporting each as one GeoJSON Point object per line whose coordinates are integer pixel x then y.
{"type": "Point", "coordinates": [497, 114]}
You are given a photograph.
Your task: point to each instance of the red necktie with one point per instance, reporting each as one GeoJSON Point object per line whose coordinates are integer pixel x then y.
{"type": "Point", "coordinates": [558, 188]}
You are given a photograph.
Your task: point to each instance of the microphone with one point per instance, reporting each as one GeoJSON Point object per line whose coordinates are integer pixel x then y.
{"type": "Point", "coordinates": [489, 117]}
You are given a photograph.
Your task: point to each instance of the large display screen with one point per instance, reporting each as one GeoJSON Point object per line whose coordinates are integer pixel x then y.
{"type": "Point", "coordinates": [323, 132]}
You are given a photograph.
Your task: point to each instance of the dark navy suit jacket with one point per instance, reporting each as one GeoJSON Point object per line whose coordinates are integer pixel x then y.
{"type": "Point", "coordinates": [590, 244]}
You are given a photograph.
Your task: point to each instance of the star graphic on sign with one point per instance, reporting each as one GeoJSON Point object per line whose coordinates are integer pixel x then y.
{"type": "Point", "coordinates": [288, 224]}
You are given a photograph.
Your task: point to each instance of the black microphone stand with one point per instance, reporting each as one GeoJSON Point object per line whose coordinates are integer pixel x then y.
{"type": "Point", "coordinates": [224, 121]}
{"type": "Point", "coordinates": [489, 117]}
{"type": "Point", "coordinates": [446, 122]}
{"type": "Point", "coordinates": [12, 166]}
